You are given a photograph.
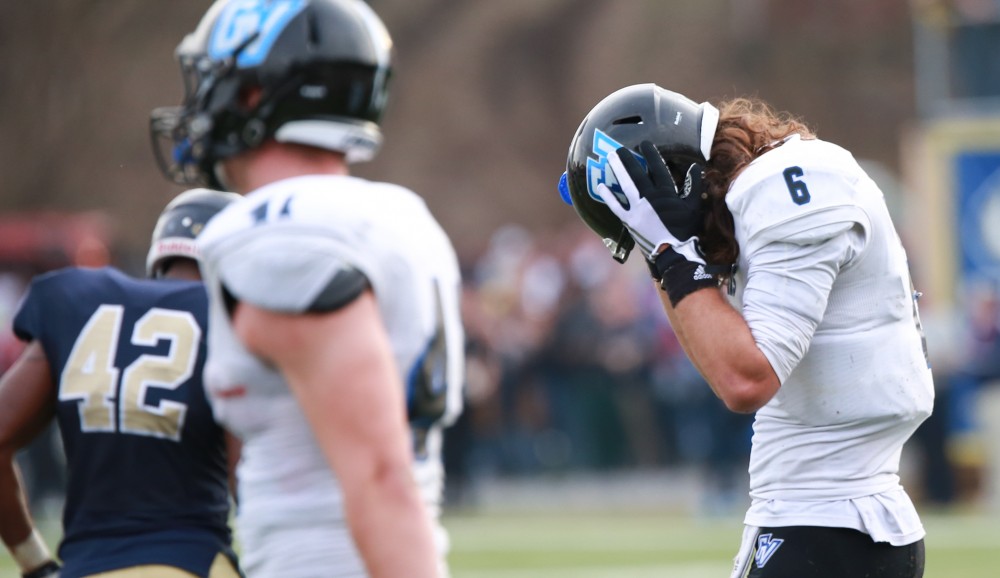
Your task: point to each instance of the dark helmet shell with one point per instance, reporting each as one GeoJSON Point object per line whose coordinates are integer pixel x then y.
{"type": "Point", "coordinates": [681, 129]}
{"type": "Point", "coordinates": [180, 223]}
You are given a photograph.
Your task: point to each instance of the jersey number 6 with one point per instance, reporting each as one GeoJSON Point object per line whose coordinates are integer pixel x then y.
{"type": "Point", "coordinates": [798, 189]}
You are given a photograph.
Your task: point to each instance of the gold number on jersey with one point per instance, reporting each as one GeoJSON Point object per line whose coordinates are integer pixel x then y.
{"type": "Point", "coordinates": [152, 371]}
{"type": "Point", "coordinates": [91, 378]}
{"type": "Point", "coordinates": [90, 374]}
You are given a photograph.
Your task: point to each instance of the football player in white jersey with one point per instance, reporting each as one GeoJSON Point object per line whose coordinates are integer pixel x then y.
{"type": "Point", "coordinates": [335, 342]}
{"type": "Point", "coordinates": [783, 276]}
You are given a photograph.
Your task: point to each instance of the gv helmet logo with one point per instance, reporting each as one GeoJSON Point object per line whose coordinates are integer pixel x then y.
{"type": "Point", "coordinates": [241, 20]}
{"type": "Point", "coordinates": [598, 170]}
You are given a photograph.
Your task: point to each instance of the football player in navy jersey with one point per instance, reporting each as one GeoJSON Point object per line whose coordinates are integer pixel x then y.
{"type": "Point", "coordinates": [117, 361]}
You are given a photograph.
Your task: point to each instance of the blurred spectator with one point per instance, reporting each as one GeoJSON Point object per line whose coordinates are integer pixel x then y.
{"type": "Point", "coordinates": [981, 366]}
{"type": "Point", "coordinates": [572, 368]}
{"type": "Point", "coordinates": [964, 346]}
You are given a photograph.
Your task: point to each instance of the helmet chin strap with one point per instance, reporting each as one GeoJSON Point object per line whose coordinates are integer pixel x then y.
{"type": "Point", "coordinates": [621, 247]}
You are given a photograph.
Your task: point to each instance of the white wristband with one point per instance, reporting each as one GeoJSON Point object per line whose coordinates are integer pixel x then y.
{"type": "Point", "coordinates": [31, 553]}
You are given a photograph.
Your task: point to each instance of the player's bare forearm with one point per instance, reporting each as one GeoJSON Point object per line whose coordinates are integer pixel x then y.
{"type": "Point", "coordinates": [15, 521]}
{"type": "Point", "coordinates": [719, 343]}
{"type": "Point", "coordinates": [25, 544]}
{"type": "Point", "coordinates": [25, 409]}
{"type": "Point", "coordinates": [390, 525]}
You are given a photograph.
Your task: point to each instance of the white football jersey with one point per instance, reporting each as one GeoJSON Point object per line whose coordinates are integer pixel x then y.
{"type": "Point", "coordinates": [278, 248]}
{"type": "Point", "coordinates": [824, 286]}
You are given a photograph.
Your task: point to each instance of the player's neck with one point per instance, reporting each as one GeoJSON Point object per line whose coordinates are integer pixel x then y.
{"type": "Point", "coordinates": [273, 161]}
{"type": "Point", "coordinates": [186, 269]}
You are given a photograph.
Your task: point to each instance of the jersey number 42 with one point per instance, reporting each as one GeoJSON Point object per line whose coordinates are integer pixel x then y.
{"type": "Point", "coordinates": [111, 399]}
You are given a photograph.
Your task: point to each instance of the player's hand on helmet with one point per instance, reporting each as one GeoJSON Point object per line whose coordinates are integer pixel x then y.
{"type": "Point", "coordinates": [49, 569]}
{"type": "Point", "coordinates": [664, 222]}
{"type": "Point", "coordinates": [654, 211]}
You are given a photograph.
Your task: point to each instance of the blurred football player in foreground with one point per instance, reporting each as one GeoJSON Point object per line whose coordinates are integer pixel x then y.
{"type": "Point", "coordinates": [117, 361]}
{"type": "Point", "coordinates": [335, 346]}
{"type": "Point", "coordinates": [819, 336]}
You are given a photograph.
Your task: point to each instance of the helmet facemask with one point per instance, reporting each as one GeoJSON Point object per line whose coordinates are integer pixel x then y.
{"type": "Point", "coordinates": [183, 141]}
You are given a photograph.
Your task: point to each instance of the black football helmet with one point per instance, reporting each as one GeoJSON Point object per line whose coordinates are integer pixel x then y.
{"type": "Point", "coordinates": [312, 72]}
{"type": "Point", "coordinates": [681, 129]}
{"type": "Point", "coordinates": [179, 225]}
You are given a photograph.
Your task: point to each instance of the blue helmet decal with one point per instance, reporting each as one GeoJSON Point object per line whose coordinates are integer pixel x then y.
{"type": "Point", "coordinates": [598, 170]}
{"type": "Point", "coordinates": [242, 19]}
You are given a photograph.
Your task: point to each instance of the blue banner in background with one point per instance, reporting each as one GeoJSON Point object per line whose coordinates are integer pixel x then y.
{"type": "Point", "coordinates": [977, 177]}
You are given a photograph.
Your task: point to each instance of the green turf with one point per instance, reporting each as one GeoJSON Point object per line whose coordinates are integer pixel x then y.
{"type": "Point", "coordinates": [650, 544]}
{"type": "Point", "coordinates": [601, 544]}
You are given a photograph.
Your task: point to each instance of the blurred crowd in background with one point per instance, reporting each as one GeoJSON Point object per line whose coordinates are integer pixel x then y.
{"type": "Point", "coordinates": [573, 368]}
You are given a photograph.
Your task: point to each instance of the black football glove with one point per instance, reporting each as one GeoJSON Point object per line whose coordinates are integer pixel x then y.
{"type": "Point", "coordinates": [657, 214]}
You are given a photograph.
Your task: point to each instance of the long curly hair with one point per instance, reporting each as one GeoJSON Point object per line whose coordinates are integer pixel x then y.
{"type": "Point", "coordinates": [748, 128]}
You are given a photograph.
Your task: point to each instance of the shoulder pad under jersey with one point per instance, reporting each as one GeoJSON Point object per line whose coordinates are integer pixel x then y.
{"type": "Point", "coordinates": [803, 192]}
{"type": "Point", "coordinates": [289, 271]}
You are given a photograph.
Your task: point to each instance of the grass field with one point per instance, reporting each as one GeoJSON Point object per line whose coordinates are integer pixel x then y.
{"type": "Point", "coordinates": [645, 545]}
{"type": "Point", "coordinates": [650, 544]}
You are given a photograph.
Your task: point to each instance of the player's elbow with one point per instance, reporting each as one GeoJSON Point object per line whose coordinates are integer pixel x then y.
{"type": "Point", "coordinates": [386, 481]}
{"type": "Point", "coordinates": [395, 484]}
{"type": "Point", "coordinates": [747, 385]}
{"type": "Point", "coordinates": [747, 395]}
{"type": "Point", "coordinates": [743, 403]}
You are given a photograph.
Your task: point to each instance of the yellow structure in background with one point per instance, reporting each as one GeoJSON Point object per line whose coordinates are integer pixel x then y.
{"type": "Point", "coordinates": [931, 214]}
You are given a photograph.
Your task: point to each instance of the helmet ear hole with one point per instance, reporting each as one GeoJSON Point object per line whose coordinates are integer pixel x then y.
{"type": "Point", "coordinates": [253, 132]}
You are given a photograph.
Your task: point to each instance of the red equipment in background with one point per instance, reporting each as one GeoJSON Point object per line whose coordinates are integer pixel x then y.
{"type": "Point", "coordinates": [33, 243]}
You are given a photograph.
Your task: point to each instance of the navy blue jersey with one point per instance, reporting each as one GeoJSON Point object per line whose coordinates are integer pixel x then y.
{"type": "Point", "coordinates": [147, 479]}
